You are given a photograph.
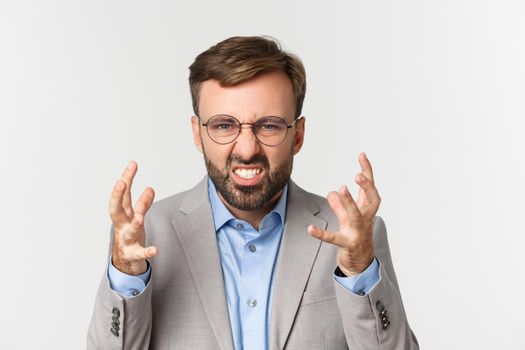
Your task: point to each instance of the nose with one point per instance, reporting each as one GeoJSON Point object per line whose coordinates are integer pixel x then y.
{"type": "Point", "coordinates": [246, 144]}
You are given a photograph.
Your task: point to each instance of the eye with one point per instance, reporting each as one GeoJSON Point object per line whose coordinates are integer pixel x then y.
{"type": "Point", "coordinates": [223, 126]}
{"type": "Point", "coordinates": [268, 126]}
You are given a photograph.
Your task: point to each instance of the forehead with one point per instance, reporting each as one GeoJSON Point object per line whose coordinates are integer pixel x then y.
{"type": "Point", "coordinates": [267, 94]}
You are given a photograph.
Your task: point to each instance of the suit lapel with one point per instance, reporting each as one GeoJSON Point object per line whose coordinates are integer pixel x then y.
{"type": "Point", "coordinates": [196, 232]}
{"type": "Point", "coordinates": [297, 254]}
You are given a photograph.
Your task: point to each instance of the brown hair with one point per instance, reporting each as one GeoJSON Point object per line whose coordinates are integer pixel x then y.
{"type": "Point", "coordinates": [240, 58]}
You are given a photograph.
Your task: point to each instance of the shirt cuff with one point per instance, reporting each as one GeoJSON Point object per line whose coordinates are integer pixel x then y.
{"type": "Point", "coordinates": [362, 283]}
{"type": "Point", "coordinates": [127, 285]}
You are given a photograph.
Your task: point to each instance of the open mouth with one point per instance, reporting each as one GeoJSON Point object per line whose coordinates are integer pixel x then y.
{"type": "Point", "coordinates": [247, 176]}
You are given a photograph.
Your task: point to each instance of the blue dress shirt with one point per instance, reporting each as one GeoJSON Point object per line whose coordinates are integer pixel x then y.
{"type": "Point", "coordinates": [248, 259]}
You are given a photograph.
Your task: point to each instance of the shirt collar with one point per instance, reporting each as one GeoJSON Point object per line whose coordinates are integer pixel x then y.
{"type": "Point", "coordinates": [222, 215]}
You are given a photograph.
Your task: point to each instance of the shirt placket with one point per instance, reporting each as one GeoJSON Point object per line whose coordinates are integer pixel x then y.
{"type": "Point", "coordinates": [253, 301]}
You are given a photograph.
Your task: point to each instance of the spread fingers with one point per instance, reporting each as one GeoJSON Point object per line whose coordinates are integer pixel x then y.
{"type": "Point", "coordinates": [127, 177]}
{"type": "Point", "coordinates": [145, 200]}
{"type": "Point", "coordinates": [116, 211]}
{"type": "Point", "coordinates": [369, 206]}
{"type": "Point", "coordinates": [326, 236]}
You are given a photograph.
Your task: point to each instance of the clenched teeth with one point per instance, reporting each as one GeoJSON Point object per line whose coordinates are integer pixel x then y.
{"type": "Point", "coordinates": [247, 173]}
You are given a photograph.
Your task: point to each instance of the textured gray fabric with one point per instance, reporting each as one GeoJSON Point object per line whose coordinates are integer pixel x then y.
{"type": "Point", "coordinates": [184, 305]}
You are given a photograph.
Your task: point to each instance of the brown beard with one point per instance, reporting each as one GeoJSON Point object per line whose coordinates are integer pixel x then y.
{"type": "Point", "coordinates": [250, 197]}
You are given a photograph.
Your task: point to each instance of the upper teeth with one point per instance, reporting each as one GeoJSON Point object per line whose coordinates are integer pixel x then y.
{"type": "Point", "coordinates": [247, 173]}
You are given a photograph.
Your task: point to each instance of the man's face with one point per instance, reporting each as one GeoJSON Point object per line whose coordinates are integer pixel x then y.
{"type": "Point", "coordinates": [246, 173]}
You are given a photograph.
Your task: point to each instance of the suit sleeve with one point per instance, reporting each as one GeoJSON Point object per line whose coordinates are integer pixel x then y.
{"type": "Point", "coordinates": [120, 322]}
{"type": "Point", "coordinates": [376, 320]}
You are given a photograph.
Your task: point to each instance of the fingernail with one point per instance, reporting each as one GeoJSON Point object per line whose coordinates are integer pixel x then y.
{"type": "Point", "coordinates": [130, 165]}
{"type": "Point", "coordinates": [118, 185]}
{"type": "Point", "coordinates": [364, 154]}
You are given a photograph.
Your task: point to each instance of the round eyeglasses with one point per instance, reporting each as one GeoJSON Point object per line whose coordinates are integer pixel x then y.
{"type": "Point", "coordinates": [270, 131]}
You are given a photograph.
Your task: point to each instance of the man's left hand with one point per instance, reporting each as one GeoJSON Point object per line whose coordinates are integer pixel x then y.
{"type": "Point", "coordinates": [354, 238]}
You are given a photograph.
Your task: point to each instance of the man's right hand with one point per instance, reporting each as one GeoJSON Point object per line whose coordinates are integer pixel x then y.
{"type": "Point", "coordinates": [128, 251]}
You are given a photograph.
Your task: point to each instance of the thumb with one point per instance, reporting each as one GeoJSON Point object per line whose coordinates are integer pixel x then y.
{"type": "Point", "coordinates": [147, 253]}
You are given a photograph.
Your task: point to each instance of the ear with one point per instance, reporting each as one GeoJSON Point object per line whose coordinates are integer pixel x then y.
{"type": "Point", "coordinates": [299, 135]}
{"type": "Point", "coordinates": [196, 130]}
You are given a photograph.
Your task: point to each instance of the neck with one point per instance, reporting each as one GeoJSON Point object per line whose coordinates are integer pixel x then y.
{"type": "Point", "coordinates": [255, 216]}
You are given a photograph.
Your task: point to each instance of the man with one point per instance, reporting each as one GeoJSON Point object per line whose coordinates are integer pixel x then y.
{"type": "Point", "coordinates": [247, 259]}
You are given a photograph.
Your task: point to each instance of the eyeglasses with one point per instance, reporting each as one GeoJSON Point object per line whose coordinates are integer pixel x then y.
{"type": "Point", "coordinates": [224, 129]}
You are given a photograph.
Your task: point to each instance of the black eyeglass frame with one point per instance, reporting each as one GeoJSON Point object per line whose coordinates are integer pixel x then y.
{"type": "Point", "coordinates": [239, 129]}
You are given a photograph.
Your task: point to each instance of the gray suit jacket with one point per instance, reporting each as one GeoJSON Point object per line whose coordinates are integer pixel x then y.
{"type": "Point", "coordinates": [184, 305]}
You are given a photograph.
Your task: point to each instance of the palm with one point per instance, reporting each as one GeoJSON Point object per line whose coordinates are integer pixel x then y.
{"type": "Point", "coordinates": [129, 253]}
{"type": "Point", "coordinates": [354, 237]}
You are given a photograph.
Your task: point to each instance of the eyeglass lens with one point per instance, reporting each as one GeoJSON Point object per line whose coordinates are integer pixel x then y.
{"type": "Point", "coordinates": [224, 129]}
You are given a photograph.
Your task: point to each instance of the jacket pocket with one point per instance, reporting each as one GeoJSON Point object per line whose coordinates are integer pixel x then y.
{"type": "Point", "coordinates": [318, 295]}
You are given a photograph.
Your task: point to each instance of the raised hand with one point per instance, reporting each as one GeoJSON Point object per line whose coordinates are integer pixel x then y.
{"type": "Point", "coordinates": [354, 238]}
{"type": "Point", "coordinates": [128, 252]}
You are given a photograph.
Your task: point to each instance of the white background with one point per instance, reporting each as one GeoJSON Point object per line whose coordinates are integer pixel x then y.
{"type": "Point", "coordinates": [433, 91]}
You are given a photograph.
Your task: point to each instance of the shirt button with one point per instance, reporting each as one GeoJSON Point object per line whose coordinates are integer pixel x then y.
{"type": "Point", "coordinates": [134, 292]}
{"type": "Point", "coordinates": [252, 248]}
{"type": "Point", "coordinates": [252, 302]}
{"type": "Point", "coordinates": [240, 226]}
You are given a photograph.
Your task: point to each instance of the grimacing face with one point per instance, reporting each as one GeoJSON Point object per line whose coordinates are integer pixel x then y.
{"type": "Point", "coordinates": [247, 174]}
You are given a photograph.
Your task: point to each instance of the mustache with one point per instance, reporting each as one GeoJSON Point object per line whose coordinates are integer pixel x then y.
{"type": "Point", "coordinates": [256, 159]}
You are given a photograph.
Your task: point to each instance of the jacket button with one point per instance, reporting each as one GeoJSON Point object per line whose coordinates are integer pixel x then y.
{"type": "Point", "coordinates": [115, 320]}
{"type": "Point", "coordinates": [386, 324]}
{"type": "Point", "coordinates": [379, 306]}
{"type": "Point", "coordinates": [116, 311]}
{"type": "Point", "coordinates": [115, 332]}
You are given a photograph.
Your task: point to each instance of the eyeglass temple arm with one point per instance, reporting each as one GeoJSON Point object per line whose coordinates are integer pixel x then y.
{"type": "Point", "coordinates": [296, 119]}
{"type": "Point", "coordinates": [200, 121]}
